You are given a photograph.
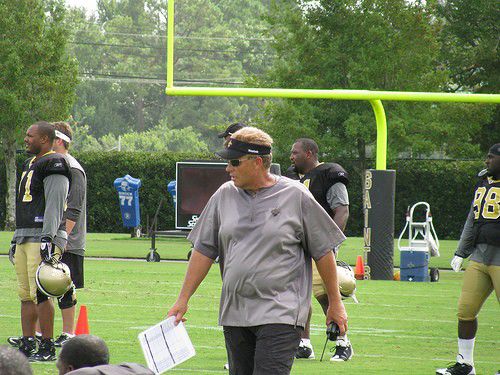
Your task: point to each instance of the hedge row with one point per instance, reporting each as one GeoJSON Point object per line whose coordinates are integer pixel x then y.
{"type": "Point", "coordinates": [446, 185]}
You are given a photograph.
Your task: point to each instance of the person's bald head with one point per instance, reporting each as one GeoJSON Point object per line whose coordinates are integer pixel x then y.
{"type": "Point", "coordinates": [82, 351]}
{"type": "Point", "coordinates": [13, 362]}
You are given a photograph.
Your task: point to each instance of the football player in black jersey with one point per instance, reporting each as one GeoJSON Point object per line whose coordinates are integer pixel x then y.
{"type": "Point", "coordinates": [40, 234]}
{"type": "Point", "coordinates": [480, 240]}
{"type": "Point", "coordinates": [327, 182]}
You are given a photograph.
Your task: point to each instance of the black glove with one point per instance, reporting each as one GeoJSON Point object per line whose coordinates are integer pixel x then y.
{"type": "Point", "coordinates": [46, 249]}
{"type": "Point", "coordinates": [12, 252]}
{"type": "Point", "coordinates": [332, 331]}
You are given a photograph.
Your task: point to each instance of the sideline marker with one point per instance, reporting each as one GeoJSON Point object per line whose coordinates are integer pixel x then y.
{"type": "Point", "coordinates": [82, 325]}
{"type": "Point", "coordinates": [359, 272]}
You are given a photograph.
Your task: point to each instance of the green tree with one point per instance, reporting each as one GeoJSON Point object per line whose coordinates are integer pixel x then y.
{"type": "Point", "coordinates": [366, 44]}
{"type": "Point", "coordinates": [160, 138]}
{"type": "Point", "coordinates": [37, 77]}
{"type": "Point", "coordinates": [470, 50]}
{"type": "Point", "coordinates": [122, 55]}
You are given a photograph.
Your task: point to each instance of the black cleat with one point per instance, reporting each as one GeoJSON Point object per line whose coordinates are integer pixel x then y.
{"type": "Point", "coordinates": [459, 368]}
{"type": "Point", "coordinates": [343, 351]}
{"type": "Point", "coordinates": [304, 351]}
{"type": "Point", "coordinates": [63, 337]}
{"type": "Point", "coordinates": [46, 352]}
{"type": "Point", "coordinates": [15, 341]}
{"type": "Point", "coordinates": [27, 345]}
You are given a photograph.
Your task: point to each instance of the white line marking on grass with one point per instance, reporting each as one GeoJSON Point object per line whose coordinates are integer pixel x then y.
{"type": "Point", "coordinates": [127, 342]}
{"type": "Point", "coordinates": [199, 370]}
{"type": "Point", "coordinates": [146, 282]}
{"type": "Point", "coordinates": [219, 347]}
{"type": "Point", "coordinates": [215, 310]}
{"type": "Point", "coordinates": [355, 331]}
{"type": "Point", "coordinates": [108, 291]}
{"type": "Point", "coordinates": [360, 294]}
{"type": "Point", "coordinates": [136, 260]}
{"type": "Point", "coordinates": [357, 355]}
{"type": "Point", "coordinates": [200, 296]}
{"type": "Point", "coordinates": [375, 317]}
{"type": "Point", "coordinates": [315, 331]}
{"type": "Point", "coordinates": [415, 358]}
{"type": "Point", "coordinates": [408, 306]}
{"type": "Point", "coordinates": [317, 327]}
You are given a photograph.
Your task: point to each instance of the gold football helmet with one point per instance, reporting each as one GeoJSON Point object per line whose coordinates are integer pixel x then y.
{"type": "Point", "coordinates": [53, 279]}
{"type": "Point", "coordinates": [347, 281]}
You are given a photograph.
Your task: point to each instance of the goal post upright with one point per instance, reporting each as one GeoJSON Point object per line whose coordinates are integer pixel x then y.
{"type": "Point", "coordinates": [384, 180]}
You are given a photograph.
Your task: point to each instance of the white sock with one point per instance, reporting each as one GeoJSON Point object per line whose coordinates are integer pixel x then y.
{"type": "Point", "coordinates": [343, 338]}
{"type": "Point", "coordinates": [466, 350]}
{"type": "Point", "coordinates": [69, 334]}
{"type": "Point", "coordinates": [38, 333]}
{"type": "Point", "coordinates": [306, 341]}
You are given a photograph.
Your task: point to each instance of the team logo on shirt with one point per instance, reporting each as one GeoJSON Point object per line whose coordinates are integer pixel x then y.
{"type": "Point", "coordinates": [192, 222]}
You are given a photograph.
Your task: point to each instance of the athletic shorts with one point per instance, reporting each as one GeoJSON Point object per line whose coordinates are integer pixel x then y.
{"type": "Point", "coordinates": [262, 350]}
{"type": "Point", "coordinates": [479, 281]}
{"type": "Point", "coordinates": [75, 264]}
{"type": "Point", "coordinates": [27, 260]}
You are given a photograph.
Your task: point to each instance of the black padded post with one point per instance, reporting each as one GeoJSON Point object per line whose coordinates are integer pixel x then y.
{"type": "Point", "coordinates": [378, 207]}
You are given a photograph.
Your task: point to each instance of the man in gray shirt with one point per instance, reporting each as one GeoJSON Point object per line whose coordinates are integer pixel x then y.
{"type": "Point", "coordinates": [76, 227]}
{"type": "Point", "coordinates": [266, 228]}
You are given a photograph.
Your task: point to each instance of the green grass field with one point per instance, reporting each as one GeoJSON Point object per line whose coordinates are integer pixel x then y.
{"type": "Point", "coordinates": [397, 328]}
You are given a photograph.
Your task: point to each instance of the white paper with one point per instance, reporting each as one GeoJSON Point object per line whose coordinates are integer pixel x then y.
{"type": "Point", "coordinates": [165, 345]}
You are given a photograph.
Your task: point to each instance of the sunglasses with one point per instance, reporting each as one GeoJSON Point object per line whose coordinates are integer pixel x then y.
{"type": "Point", "coordinates": [236, 162]}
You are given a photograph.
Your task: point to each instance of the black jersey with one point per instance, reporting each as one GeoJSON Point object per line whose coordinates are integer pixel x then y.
{"type": "Point", "coordinates": [320, 179]}
{"type": "Point", "coordinates": [30, 202]}
{"type": "Point", "coordinates": [487, 211]}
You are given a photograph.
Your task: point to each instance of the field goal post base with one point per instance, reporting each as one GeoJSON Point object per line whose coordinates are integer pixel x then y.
{"type": "Point", "coordinates": [378, 232]}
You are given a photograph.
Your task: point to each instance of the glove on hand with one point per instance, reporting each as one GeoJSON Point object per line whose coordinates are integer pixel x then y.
{"type": "Point", "coordinates": [456, 263]}
{"type": "Point", "coordinates": [46, 249]}
{"type": "Point", "coordinates": [12, 252]}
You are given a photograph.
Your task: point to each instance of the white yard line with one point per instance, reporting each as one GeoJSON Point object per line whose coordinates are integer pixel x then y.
{"type": "Point", "coordinates": [200, 370]}
{"type": "Point", "coordinates": [419, 359]}
{"type": "Point", "coordinates": [315, 330]}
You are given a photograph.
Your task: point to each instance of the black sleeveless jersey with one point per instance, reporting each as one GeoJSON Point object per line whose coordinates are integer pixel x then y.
{"type": "Point", "coordinates": [320, 179]}
{"type": "Point", "coordinates": [30, 201]}
{"type": "Point", "coordinates": [487, 211]}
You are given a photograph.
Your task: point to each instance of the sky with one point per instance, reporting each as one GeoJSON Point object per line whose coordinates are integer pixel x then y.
{"type": "Point", "coordinates": [89, 5]}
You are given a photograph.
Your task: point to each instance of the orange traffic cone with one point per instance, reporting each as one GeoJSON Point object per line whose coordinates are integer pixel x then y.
{"type": "Point", "coordinates": [82, 325]}
{"type": "Point", "coordinates": [359, 272]}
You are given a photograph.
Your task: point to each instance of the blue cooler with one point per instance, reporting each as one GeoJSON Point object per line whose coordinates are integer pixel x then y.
{"type": "Point", "coordinates": [414, 265]}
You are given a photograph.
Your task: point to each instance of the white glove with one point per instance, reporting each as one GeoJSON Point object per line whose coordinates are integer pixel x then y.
{"type": "Point", "coordinates": [456, 263]}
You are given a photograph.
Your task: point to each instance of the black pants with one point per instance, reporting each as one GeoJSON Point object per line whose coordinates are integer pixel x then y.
{"type": "Point", "coordinates": [261, 350]}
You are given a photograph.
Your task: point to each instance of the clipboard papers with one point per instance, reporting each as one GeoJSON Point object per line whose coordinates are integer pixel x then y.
{"type": "Point", "coordinates": [165, 345]}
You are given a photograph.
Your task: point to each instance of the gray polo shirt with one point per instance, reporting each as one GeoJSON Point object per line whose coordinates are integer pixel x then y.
{"type": "Point", "coordinates": [266, 240]}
